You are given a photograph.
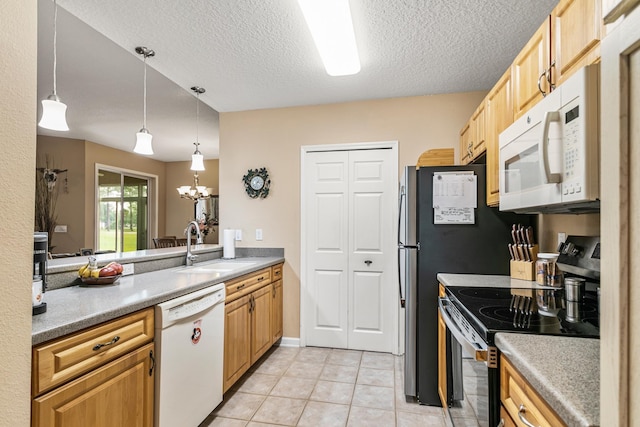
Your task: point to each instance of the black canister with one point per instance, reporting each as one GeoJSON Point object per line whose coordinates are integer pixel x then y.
{"type": "Point", "coordinates": [40, 249]}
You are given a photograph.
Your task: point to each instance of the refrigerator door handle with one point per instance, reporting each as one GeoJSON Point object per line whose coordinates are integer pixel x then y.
{"type": "Point", "coordinates": [402, 300]}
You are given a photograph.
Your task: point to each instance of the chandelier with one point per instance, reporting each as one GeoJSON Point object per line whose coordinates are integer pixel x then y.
{"type": "Point", "coordinates": [196, 191]}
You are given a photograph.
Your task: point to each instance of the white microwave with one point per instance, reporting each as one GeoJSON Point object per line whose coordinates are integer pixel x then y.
{"type": "Point", "coordinates": [549, 158]}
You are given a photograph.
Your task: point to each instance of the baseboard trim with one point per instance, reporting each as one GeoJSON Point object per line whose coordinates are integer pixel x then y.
{"type": "Point", "coordinates": [289, 342]}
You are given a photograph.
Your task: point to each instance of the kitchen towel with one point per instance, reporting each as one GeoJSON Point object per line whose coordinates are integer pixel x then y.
{"type": "Point", "coordinates": [229, 243]}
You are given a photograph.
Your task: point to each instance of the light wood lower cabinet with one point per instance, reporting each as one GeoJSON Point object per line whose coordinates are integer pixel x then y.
{"type": "Point", "coordinates": [261, 338]}
{"type": "Point", "coordinates": [253, 320]}
{"type": "Point", "coordinates": [505, 419]}
{"type": "Point", "coordinates": [442, 356]}
{"type": "Point", "coordinates": [520, 400]}
{"type": "Point", "coordinates": [103, 376]}
{"type": "Point", "coordinates": [117, 394]}
{"type": "Point", "coordinates": [276, 310]}
{"type": "Point", "coordinates": [237, 340]}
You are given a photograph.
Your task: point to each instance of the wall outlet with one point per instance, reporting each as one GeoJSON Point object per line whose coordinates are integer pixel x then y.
{"type": "Point", "coordinates": [127, 269]}
{"type": "Point", "coordinates": [60, 229]}
{"type": "Point", "coordinates": [238, 234]}
{"type": "Point", "coordinates": [258, 233]}
{"type": "Point", "coordinates": [561, 238]}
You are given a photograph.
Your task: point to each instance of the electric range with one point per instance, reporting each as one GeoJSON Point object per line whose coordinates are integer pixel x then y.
{"type": "Point", "coordinates": [473, 315]}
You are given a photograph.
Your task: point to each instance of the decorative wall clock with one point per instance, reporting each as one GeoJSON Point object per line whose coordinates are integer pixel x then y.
{"type": "Point", "coordinates": [257, 182]}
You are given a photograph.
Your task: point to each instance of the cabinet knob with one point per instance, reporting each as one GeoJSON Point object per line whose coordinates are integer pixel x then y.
{"type": "Point", "coordinates": [368, 262]}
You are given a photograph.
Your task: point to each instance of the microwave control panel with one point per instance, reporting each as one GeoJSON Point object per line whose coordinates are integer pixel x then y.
{"type": "Point", "coordinates": [573, 151]}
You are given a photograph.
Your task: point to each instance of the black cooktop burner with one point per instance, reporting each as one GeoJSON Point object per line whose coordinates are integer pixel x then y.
{"type": "Point", "coordinates": [491, 310]}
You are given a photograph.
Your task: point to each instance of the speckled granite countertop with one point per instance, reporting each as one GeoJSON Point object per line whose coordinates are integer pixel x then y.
{"type": "Point", "coordinates": [74, 308]}
{"type": "Point", "coordinates": [486, 280]}
{"type": "Point", "coordinates": [565, 371]}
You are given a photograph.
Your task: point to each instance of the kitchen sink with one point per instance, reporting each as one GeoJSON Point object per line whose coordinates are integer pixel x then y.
{"type": "Point", "coordinates": [217, 267]}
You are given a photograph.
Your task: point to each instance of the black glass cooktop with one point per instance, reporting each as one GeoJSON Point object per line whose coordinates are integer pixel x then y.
{"type": "Point", "coordinates": [491, 310]}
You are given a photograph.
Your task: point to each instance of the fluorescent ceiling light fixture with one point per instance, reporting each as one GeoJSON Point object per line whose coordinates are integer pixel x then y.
{"type": "Point", "coordinates": [332, 30]}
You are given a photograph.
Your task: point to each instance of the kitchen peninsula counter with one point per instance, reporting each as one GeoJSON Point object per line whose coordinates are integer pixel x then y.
{"type": "Point", "coordinates": [565, 372]}
{"type": "Point", "coordinates": [73, 308]}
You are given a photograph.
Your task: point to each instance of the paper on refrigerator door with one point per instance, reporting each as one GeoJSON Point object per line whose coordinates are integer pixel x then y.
{"type": "Point", "coordinates": [455, 196]}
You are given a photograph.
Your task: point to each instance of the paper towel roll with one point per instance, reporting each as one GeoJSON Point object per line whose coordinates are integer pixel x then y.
{"type": "Point", "coordinates": [229, 243]}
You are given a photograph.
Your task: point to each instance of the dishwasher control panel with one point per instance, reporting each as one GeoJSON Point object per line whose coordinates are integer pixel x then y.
{"type": "Point", "coordinates": [189, 305]}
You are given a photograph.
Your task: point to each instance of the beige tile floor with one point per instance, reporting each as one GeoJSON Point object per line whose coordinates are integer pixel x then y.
{"type": "Point", "coordinates": [322, 387]}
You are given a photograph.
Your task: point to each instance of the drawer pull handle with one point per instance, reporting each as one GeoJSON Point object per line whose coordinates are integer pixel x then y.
{"type": "Point", "coordinates": [153, 362]}
{"type": "Point", "coordinates": [260, 279]}
{"type": "Point", "coordinates": [240, 286]}
{"type": "Point", "coordinates": [521, 414]}
{"type": "Point", "coordinates": [113, 341]}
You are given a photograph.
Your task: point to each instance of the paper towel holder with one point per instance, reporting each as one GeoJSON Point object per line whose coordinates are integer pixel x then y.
{"type": "Point", "coordinates": [257, 182]}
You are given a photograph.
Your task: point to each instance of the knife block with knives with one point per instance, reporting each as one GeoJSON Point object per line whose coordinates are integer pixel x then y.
{"type": "Point", "coordinates": [524, 253]}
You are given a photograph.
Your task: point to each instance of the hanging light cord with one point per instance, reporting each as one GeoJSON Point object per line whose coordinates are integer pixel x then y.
{"type": "Point", "coordinates": [55, 37]}
{"type": "Point", "coordinates": [197, 118]}
{"type": "Point", "coordinates": [144, 119]}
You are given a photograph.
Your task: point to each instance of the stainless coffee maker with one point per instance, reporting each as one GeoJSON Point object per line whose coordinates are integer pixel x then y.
{"type": "Point", "coordinates": [39, 285]}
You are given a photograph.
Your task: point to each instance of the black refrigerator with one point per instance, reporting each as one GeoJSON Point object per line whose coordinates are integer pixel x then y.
{"type": "Point", "coordinates": [426, 248]}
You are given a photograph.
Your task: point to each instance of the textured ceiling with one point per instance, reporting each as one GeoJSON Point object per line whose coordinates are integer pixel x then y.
{"type": "Point", "coordinates": [253, 54]}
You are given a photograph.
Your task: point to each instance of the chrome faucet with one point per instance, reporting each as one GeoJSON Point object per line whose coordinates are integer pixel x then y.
{"type": "Point", "coordinates": [191, 257]}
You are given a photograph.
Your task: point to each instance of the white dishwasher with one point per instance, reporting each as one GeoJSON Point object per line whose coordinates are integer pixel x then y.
{"type": "Point", "coordinates": [189, 345]}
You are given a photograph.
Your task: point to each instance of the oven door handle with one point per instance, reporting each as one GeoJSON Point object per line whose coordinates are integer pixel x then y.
{"type": "Point", "coordinates": [477, 351]}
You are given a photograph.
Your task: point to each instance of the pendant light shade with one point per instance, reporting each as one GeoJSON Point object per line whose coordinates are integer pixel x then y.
{"type": "Point", "coordinates": [53, 111]}
{"type": "Point", "coordinates": [197, 159]}
{"type": "Point", "coordinates": [143, 137]}
{"type": "Point", "coordinates": [143, 143]}
{"type": "Point", "coordinates": [53, 114]}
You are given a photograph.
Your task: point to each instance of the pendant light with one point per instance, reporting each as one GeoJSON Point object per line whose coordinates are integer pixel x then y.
{"type": "Point", "coordinates": [143, 137]}
{"type": "Point", "coordinates": [197, 159]}
{"type": "Point", "coordinates": [54, 111]}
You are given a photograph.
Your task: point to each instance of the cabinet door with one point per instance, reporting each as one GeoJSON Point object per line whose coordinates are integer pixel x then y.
{"type": "Point", "coordinates": [532, 61]}
{"type": "Point", "coordinates": [478, 129]}
{"type": "Point", "coordinates": [499, 115]}
{"type": "Point", "coordinates": [576, 28]}
{"type": "Point", "coordinates": [261, 338]}
{"type": "Point", "coordinates": [237, 340]}
{"type": "Point", "coordinates": [466, 146]}
{"type": "Point", "coordinates": [505, 418]}
{"type": "Point", "coordinates": [442, 361]}
{"type": "Point", "coordinates": [117, 394]}
{"type": "Point", "coordinates": [276, 311]}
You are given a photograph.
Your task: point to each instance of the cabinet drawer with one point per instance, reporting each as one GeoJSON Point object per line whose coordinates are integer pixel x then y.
{"type": "Point", "coordinates": [517, 395]}
{"type": "Point", "coordinates": [276, 272]}
{"type": "Point", "coordinates": [61, 360]}
{"type": "Point", "coordinates": [240, 286]}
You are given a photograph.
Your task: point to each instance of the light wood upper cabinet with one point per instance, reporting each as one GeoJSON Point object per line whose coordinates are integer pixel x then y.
{"type": "Point", "coordinates": [576, 27]}
{"type": "Point", "coordinates": [529, 71]}
{"type": "Point", "coordinates": [499, 115]}
{"type": "Point", "coordinates": [478, 127]}
{"type": "Point", "coordinates": [466, 145]}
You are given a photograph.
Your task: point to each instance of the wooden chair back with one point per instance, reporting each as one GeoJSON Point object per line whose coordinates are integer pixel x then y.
{"type": "Point", "coordinates": [164, 242]}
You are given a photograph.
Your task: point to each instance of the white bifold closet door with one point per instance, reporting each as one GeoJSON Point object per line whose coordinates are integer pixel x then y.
{"type": "Point", "coordinates": [350, 285]}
